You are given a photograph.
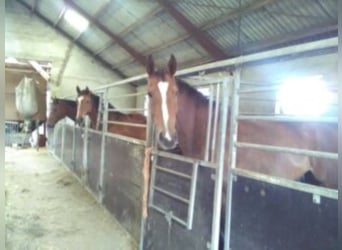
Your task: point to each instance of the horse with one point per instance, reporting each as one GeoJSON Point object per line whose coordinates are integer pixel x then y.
{"type": "Point", "coordinates": [88, 103]}
{"type": "Point", "coordinates": [180, 114]}
{"type": "Point", "coordinates": [61, 108]}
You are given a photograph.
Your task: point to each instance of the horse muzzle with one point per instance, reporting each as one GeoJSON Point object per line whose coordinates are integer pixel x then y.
{"type": "Point", "coordinates": [167, 142]}
{"type": "Point", "coordinates": [79, 121]}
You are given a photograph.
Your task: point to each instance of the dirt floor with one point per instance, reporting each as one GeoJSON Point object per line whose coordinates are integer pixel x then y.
{"type": "Point", "coordinates": [47, 208]}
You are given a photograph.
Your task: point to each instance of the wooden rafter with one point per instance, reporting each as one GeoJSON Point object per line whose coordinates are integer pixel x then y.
{"type": "Point", "coordinates": [194, 31]}
{"type": "Point", "coordinates": [91, 53]}
{"type": "Point", "coordinates": [135, 54]}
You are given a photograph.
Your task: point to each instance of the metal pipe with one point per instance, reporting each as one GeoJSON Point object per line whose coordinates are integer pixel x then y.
{"type": "Point", "coordinates": [126, 109]}
{"type": "Point", "coordinates": [209, 122]}
{"type": "Point", "coordinates": [220, 166]}
{"type": "Point", "coordinates": [282, 118]}
{"type": "Point", "coordinates": [174, 196]}
{"type": "Point", "coordinates": [127, 124]}
{"type": "Point", "coordinates": [152, 181]}
{"type": "Point", "coordinates": [216, 114]}
{"type": "Point", "coordinates": [63, 139]}
{"type": "Point", "coordinates": [103, 147]}
{"type": "Point", "coordinates": [297, 151]}
{"type": "Point", "coordinates": [312, 189]}
{"type": "Point", "coordinates": [85, 149]}
{"type": "Point", "coordinates": [170, 171]}
{"type": "Point", "coordinates": [192, 195]}
{"type": "Point", "coordinates": [259, 89]}
{"type": "Point", "coordinates": [175, 218]}
{"type": "Point", "coordinates": [232, 155]}
{"type": "Point", "coordinates": [184, 159]}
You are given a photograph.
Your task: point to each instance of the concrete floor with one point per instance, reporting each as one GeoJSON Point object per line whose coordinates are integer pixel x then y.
{"type": "Point", "coordinates": [47, 208]}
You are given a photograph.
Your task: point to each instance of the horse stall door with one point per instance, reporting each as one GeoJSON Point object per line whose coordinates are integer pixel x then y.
{"type": "Point", "coordinates": [180, 205]}
{"type": "Point", "coordinates": [268, 216]}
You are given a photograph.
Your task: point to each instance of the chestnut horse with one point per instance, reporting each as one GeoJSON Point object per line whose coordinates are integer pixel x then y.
{"type": "Point", "coordinates": [88, 103]}
{"type": "Point", "coordinates": [180, 115]}
{"type": "Point", "coordinates": [61, 108]}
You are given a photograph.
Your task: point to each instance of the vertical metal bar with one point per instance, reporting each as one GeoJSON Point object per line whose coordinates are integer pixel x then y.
{"type": "Point", "coordinates": [73, 157]}
{"type": "Point", "coordinates": [220, 166]}
{"type": "Point", "coordinates": [37, 132]}
{"type": "Point", "coordinates": [153, 176]}
{"type": "Point", "coordinates": [213, 141]}
{"type": "Point", "coordinates": [63, 139]}
{"type": "Point", "coordinates": [103, 145]}
{"type": "Point", "coordinates": [192, 195]}
{"type": "Point", "coordinates": [207, 140]}
{"type": "Point", "coordinates": [85, 149]}
{"type": "Point", "coordinates": [232, 154]}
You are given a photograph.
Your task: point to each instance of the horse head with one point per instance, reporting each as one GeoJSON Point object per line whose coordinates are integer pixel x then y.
{"type": "Point", "coordinates": [162, 91]}
{"type": "Point", "coordinates": [86, 105]}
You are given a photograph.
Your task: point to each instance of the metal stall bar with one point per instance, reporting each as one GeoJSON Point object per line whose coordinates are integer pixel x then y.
{"type": "Point", "coordinates": [103, 146]}
{"type": "Point", "coordinates": [209, 122]}
{"type": "Point", "coordinates": [308, 188]}
{"type": "Point", "coordinates": [192, 194]}
{"type": "Point", "coordinates": [63, 140]}
{"type": "Point", "coordinates": [85, 150]}
{"type": "Point", "coordinates": [233, 131]}
{"type": "Point", "coordinates": [191, 207]}
{"type": "Point", "coordinates": [99, 111]}
{"type": "Point", "coordinates": [216, 114]}
{"type": "Point", "coordinates": [297, 151]}
{"type": "Point", "coordinates": [220, 166]}
{"type": "Point", "coordinates": [126, 109]}
{"type": "Point", "coordinates": [128, 124]}
{"type": "Point", "coordinates": [282, 118]}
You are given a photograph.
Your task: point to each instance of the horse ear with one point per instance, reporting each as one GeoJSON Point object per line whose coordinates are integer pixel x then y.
{"type": "Point", "coordinates": [87, 89]}
{"type": "Point", "coordinates": [149, 65]}
{"type": "Point", "coordinates": [172, 66]}
{"type": "Point", "coordinates": [78, 89]}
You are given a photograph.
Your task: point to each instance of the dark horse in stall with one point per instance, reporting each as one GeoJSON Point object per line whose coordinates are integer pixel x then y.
{"type": "Point", "coordinates": [61, 108]}
{"type": "Point", "coordinates": [180, 115]}
{"type": "Point", "coordinates": [88, 103]}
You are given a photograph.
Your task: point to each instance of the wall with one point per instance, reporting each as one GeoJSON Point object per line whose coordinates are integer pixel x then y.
{"type": "Point", "coordinates": [28, 37]}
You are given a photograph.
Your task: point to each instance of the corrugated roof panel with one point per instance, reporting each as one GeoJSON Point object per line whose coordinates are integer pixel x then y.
{"type": "Point", "coordinates": [202, 11]}
{"type": "Point", "coordinates": [132, 69]}
{"type": "Point", "coordinates": [225, 35]}
{"type": "Point", "coordinates": [94, 38]}
{"type": "Point", "coordinates": [121, 15]}
{"type": "Point", "coordinates": [90, 7]}
{"type": "Point", "coordinates": [50, 10]}
{"type": "Point", "coordinates": [115, 55]}
{"type": "Point", "coordinates": [157, 31]}
{"type": "Point", "coordinates": [68, 28]}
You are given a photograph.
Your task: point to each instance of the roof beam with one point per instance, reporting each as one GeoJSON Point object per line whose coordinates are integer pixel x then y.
{"type": "Point", "coordinates": [194, 31]}
{"type": "Point", "coordinates": [34, 6]}
{"type": "Point", "coordinates": [135, 54]}
{"type": "Point", "coordinates": [96, 15]}
{"type": "Point", "coordinates": [103, 62]}
{"type": "Point", "coordinates": [60, 16]}
{"type": "Point", "coordinates": [132, 27]}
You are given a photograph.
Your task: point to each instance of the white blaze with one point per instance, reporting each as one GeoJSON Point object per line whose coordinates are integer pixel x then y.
{"type": "Point", "coordinates": [80, 100]}
{"type": "Point", "coordinates": [163, 87]}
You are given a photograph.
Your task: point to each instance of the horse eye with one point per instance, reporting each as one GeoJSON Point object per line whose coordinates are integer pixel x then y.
{"type": "Point", "coordinates": [149, 94]}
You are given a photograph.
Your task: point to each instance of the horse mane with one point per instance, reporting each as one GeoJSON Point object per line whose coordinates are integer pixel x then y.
{"type": "Point", "coordinates": [191, 91]}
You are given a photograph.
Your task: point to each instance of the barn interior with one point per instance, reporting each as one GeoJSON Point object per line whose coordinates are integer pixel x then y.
{"type": "Point", "coordinates": [291, 49]}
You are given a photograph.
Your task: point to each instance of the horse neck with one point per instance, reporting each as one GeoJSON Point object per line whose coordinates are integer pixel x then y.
{"type": "Point", "coordinates": [185, 123]}
{"type": "Point", "coordinates": [70, 111]}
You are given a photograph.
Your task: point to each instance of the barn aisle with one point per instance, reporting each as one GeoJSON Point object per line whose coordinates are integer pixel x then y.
{"type": "Point", "coordinates": [46, 208]}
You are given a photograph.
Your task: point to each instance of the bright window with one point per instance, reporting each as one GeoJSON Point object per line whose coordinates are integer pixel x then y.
{"type": "Point", "coordinates": [76, 20]}
{"type": "Point", "coordinates": [307, 96]}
